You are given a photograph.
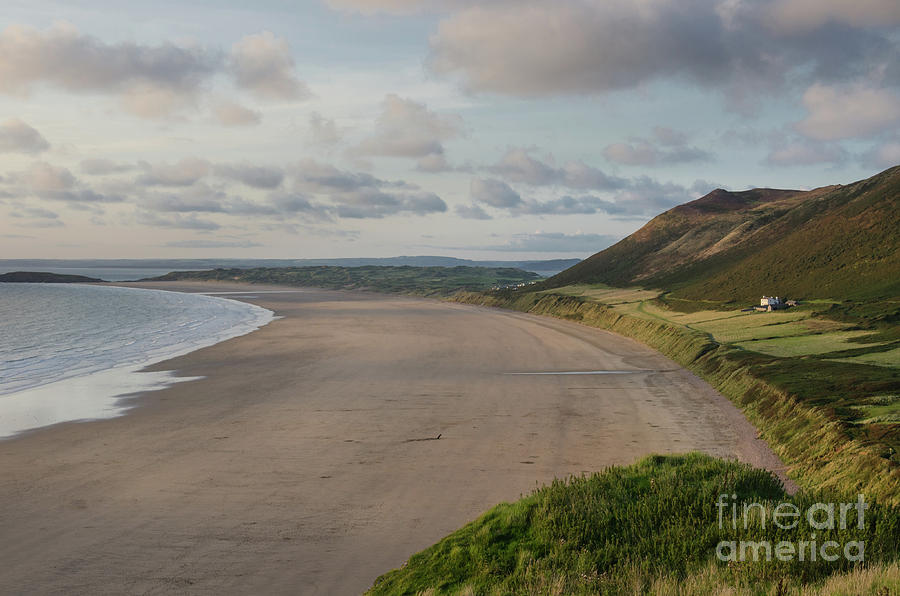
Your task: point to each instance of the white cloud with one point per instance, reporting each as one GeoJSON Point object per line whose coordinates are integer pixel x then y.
{"type": "Point", "coordinates": [375, 6]}
{"type": "Point", "coordinates": [884, 155]}
{"type": "Point", "coordinates": [556, 242]}
{"type": "Point", "coordinates": [182, 173]}
{"type": "Point", "coordinates": [16, 136]}
{"type": "Point", "coordinates": [263, 65]}
{"type": "Point", "coordinates": [406, 128]}
{"type": "Point", "coordinates": [152, 80]}
{"type": "Point", "coordinates": [323, 131]}
{"type": "Point", "coordinates": [805, 153]}
{"type": "Point", "coordinates": [230, 113]}
{"type": "Point", "coordinates": [847, 111]}
{"type": "Point", "coordinates": [103, 167]}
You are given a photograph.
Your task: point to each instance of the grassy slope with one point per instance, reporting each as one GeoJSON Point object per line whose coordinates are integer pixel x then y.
{"type": "Point", "coordinates": [425, 281]}
{"type": "Point", "coordinates": [649, 527]}
{"type": "Point", "coordinates": [836, 242]}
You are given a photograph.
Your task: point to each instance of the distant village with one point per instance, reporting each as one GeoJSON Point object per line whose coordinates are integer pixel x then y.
{"type": "Point", "coordinates": [770, 303]}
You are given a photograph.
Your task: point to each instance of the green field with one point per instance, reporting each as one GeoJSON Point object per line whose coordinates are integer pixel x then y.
{"type": "Point", "coordinates": [421, 281]}
{"type": "Point", "coordinates": [785, 334]}
{"type": "Point", "coordinates": [649, 528]}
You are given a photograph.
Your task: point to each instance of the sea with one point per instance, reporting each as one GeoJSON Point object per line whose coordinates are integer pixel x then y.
{"type": "Point", "coordinates": [73, 351]}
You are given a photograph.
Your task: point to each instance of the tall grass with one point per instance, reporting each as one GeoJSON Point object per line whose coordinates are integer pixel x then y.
{"type": "Point", "coordinates": [636, 529]}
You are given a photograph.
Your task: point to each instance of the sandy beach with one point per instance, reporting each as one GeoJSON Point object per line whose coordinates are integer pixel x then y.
{"type": "Point", "coordinates": [303, 461]}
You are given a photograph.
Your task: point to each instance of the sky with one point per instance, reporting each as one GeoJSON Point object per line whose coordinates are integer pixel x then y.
{"type": "Point", "coordinates": [500, 129]}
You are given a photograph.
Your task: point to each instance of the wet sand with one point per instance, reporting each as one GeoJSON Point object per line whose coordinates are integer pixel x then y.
{"type": "Point", "coordinates": [298, 465]}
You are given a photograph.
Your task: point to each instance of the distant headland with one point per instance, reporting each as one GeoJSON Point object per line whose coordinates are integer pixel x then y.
{"type": "Point", "coordinates": [43, 277]}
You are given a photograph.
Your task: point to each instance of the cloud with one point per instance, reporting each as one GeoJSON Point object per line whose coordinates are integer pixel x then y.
{"type": "Point", "coordinates": [168, 74]}
{"type": "Point", "coordinates": [847, 111]}
{"type": "Point", "coordinates": [472, 212]}
{"type": "Point", "coordinates": [639, 197]}
{"type": "Point", "coordinates": [103, 167]}
{"type": "Point", "coordinates": [884, 155]}
{"type": "Point", "coordinates": [409, 129]}
{"type": "Point", "coordinates": [374, 6]}
{"type": "Point", "coordinates": [41, 177]}
{"type": "Point", "coordinates": [177, 221]}
{"type": "Point", "coordinates": [213, 244]}
{"type": "Point", "coordinates": [182, 173]}
{"type": "Point", "coordinates": [323, 131]}
{"type": "Point", "coordinates": [668, 147]}
{"type": "Point", "coordinates": [262, 64]}
{"type": "Point", "coordinates": [494, 193]}
{"type": "Point", "coordinates": [589, 48]}
{"type": "Point", "coordinates": [518, 165]}
{"type": "Point", "coordinates": [360, 195]}
{"type": "Point", "coordinates": [805, 153]}
{"type": "Point", "coordinates": [251, 175]}
{"type": "Point", "coordinates": [35, 213]}
{"type": "Point", "coordinates": [18, 137]}
{"type": "Point", "coordinates": [50, 182]}
{"type": "Point", "coordinates": [806, 15]}
{"type": "Point", "coordinates": [229, 113]}
{"type": "Point", "coordinates": [556, 242]}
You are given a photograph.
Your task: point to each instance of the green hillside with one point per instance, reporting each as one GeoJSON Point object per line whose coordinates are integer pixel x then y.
{"type": "Point", "coordinates": [837, 242]}
{"type": "Point", "coordinates": [424, 281]}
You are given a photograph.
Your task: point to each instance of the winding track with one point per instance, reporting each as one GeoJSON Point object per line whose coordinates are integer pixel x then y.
{"type": "Point", "coordinates": [296, 465]}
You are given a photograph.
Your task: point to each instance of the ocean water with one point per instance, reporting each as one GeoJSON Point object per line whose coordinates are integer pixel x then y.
{"type": "Point", "coordinates": [70, 351]}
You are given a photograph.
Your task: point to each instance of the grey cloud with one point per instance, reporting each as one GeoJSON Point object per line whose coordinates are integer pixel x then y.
{"type": "Point", "coordinates": [400, 7]}
{"type": "Point", "coordinates": [182, 173]}
{"type": "Point", "coordinates": [556, 242]}
{"type": "Point", "coordinates": [104, 167]}
{"type": "Point", "coordinates": [518, 165]}
{"type": "Point", "coordinates": [213, 244]}
{"type": "Point", "coordinates": [147, 76]}
{"type": "Point", "coordinates": [229, 113]}
{"type": "Point", "coordinates": [263, 65]}
{"type": "Point", "coordinates": [883, 155]}
{"type": "Point", "coordinates": [668, 147]}
{"type": "Point", "coordinates": [374, 204]}
{"type": "Point", "coordinates": [251, 175]}
{"type": "Point", "coordinates": [846, 111]}
{"type": "Point", "coordinates": [361, 195]}
{"type": "Point", "coordinates": [177, 221]}
{"type": "Point", "coordinates": [494, 193]}
{"type": "Point", "coordinates": [472, 212]}
{"type": "Point", "coordinates": [18, 137]}
{"type": "Point", "coordinates": [324, 131]}
{"type": "Point", "coordinates": [593, 47]}
{"type": "Point", "coordinates": [805, 153]}
{"type": "Point", "coordinates": [34, 213]}
{"type": "Point", "coordinates": [406, 128]}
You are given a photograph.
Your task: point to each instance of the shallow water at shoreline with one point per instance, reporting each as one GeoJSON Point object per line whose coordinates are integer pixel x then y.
{"type": "Point", "coordinates": [68, 352]}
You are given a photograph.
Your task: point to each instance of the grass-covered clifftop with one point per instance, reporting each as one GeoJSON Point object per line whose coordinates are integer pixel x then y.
{"type": "Point", "coordinates": [421, 281]}
{"type": "Point", "coordinates": [650, 528]}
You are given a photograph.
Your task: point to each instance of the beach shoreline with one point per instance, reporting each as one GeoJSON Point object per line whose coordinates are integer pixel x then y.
{"type": "Point", "coordinates": [296, 463]}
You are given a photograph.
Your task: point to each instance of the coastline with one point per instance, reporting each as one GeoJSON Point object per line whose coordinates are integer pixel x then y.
{"type": "Point", "coordinates": [106, 392]}
{"type": "Point", "coordinates": [296, 463]}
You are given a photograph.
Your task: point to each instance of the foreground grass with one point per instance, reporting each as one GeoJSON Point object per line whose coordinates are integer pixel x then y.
{"type": "Point", "coordinates": [652, 527]}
